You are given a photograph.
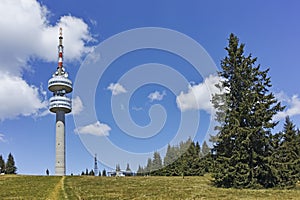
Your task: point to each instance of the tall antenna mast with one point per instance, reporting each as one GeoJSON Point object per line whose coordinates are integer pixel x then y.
{"type": "Point", "coordinates": [60, 53]}
{"type": "Point", "coordinates": [96, 166]}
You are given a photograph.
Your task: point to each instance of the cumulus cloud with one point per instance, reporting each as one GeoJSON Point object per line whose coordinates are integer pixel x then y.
{"type": "Point", "coordinates": [98, 129]}
{"type": "Point", "coordinates": [18, 98]}
{"type": "Point", "coordinates": [292, 106]}
{"type": "Point", "coordinates": [76, 34]}
{"type": "Point", "coordinates": [26, 35]}
{"type": "Point", "coordinates": [156, 96]}
{"type": "Point", "coordinates": [116, 88]}
{"type": "Point", "coordinates": [2, 138]}
{"type": "Point", "coordinates": [77, 105]}
{"type": "Point", "coordinates": [198, 97]}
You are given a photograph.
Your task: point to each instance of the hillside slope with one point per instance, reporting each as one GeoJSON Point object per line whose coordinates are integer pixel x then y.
{"type": "Point", "coordinates": [87, 187]}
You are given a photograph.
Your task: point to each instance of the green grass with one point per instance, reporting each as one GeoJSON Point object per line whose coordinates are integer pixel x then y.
{"type": "Point", "coordinates": [85, 187]}
{"type": "Point", "coordinates": [27, 187]}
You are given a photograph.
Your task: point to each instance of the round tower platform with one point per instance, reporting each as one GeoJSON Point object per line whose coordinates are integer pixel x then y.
{"type": "Point", "coordinates": [60, 103]}
{"type": "Point", "coordinates": [59, 83]}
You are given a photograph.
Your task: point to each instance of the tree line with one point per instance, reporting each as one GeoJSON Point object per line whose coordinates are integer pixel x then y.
{"type": "Point", "coordinates": [9, 166]}
{"type": "Point", "coordinates": [245, 153]}
{"type": "Point", "coordinates": [92, 173]}
{"type": "Point", "coordinates": [127, 172]}
{"type": "Point", "coordinates": [185, 159]}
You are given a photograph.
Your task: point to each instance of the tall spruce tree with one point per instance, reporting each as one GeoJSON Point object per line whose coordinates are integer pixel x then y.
{"type": "Point", "coordinates": [205, 149]}
{"type": "Point", "coordinates": [148, 167]}
{"type": "Point", "coordinates": [171, 155]}
{"type": "Point", "coordinates": [244, 110]}
{"type": "Point", "coordinates": [10, 167]}
{"type": "Point", "coordinates": [156, 164]}
{"type": "Point", "coordinates": [2, 165]}
{"type": "Point", "coordinates": [286, 156]}
{"type": "Point", "coordinates": [190, 161]}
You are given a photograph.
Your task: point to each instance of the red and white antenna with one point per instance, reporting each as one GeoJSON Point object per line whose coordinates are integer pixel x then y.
{"type": "Point", "coordinates": [60, 50]}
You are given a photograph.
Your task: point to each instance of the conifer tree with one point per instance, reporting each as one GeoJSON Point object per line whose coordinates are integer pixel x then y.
{"type": "Point", "coordinates": [171, 155]}
{"type": "Point", "coordinates": [188, 161]}
{"type": "Point", "coordinates": [10, 167]}
{"type": "Point", "coordinates": [205, 149]}
{"type": "Point", "coordinates": [118, 168]}
{"type": "Point", "coordinates": [244, 110]}
{"type": "Point", "coordinates": [198, 149]}
{"type": "Point", "coordinates": [156, 162]}
{"type": "Point", "coordinates": [148, 168]}
{"type": "Point", "coordinates": [140, 171]}
{"type": "Point", "coordinates": [2, 165]}
{"type": "Point", "coordinates": [91, 173]}
{"type": "Point", "coordinates": [128, 170]}
{"type": "Point", "coordinates": [286, 156]}
{"type": "Point", "coordinates": [103, 172]}
{"type": "Point", "coordinates": [191, 161]}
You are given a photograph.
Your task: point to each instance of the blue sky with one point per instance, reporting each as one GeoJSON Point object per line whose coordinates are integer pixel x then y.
{"type": "Point", "coordinates": [134, 116]}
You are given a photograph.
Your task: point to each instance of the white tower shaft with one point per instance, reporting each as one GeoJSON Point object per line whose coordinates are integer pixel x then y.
{"type": "Point", "coordinates": [60, 165]}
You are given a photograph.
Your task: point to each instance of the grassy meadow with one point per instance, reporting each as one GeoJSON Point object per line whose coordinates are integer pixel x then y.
{"type": "Point", "coordinates": [87, 187]}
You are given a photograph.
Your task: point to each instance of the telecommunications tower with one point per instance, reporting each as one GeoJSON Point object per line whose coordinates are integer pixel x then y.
{"type": "Point", "coordinates": [60, 104]}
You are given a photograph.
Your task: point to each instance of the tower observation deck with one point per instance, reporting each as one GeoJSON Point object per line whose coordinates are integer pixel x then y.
{"type": "Point", "coordinates": [60, 104]}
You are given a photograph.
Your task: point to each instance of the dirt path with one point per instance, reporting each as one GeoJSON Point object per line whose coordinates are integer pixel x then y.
{"type": "Point", "coordinates": [58, 190]}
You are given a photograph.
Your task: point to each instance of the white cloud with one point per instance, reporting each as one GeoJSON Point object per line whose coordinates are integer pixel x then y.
{"type": "Point", "coordinates": [77, 105]}
{"type": "Point", "coordinates": [98, 129]}
{"type": "Point", "coordinates": [18, 98]}
{"type": "Point", "coordinates": [199, 96]}
{"type": "Point", "coordinates": [75, 33]}
{"type": "Point", "coordinates": [27, 35]}
{"type": "Point", "coordinates": [156, 96]}
{"type": "Point", "coordinates": [116, 88]}
{"type": "Point", "coordinates": [292, 106]}
{"type": "Point", "coordinates": [2, 138]}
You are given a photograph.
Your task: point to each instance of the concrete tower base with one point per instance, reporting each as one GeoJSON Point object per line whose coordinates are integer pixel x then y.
{"type": "Point", "coordinates": [60, 167]}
